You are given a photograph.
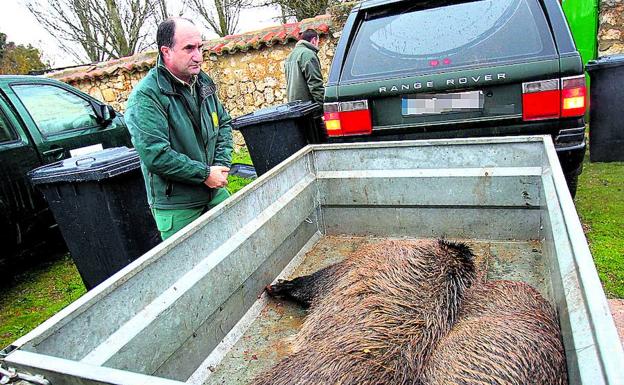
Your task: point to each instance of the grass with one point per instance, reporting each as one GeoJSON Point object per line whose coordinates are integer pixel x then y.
{"type": "Point", "coordinates": [39, 293]}
{"type": "Point", "coordinates": [600, 204]}
{"type": "Point", "coordinates": [236, 183]}
{"type": "Point", "coordinates": [36, 295]}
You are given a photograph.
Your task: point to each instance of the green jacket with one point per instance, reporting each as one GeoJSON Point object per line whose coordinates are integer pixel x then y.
{"type": "Point", "coordinates": [177, 139]}
{"type": "Point", "coordinates": [303, 74]}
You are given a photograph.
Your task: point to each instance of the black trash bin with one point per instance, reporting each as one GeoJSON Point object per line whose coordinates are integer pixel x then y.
{"type": "Point", "coordinates": [606, 115]}
{"type": "Point", "coordinates": [273, 134]}
{"type": "Point", "coordinates": [100, 205]}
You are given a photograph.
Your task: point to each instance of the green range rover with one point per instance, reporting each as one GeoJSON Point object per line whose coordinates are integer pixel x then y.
{"type": "Point", "coordinates": [449, 69]}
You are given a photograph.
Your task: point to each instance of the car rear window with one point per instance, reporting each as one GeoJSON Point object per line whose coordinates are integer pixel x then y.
{"type": "Point", "coordinates": [416, 40]}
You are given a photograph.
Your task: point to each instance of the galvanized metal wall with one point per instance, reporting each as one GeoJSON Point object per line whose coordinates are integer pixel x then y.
{"type": "Point", "coordinates": [594, 353]}
{"type": "Point", "coordinates": [163, 314]}
{"type": "Point", "coordinates": [432, 189]}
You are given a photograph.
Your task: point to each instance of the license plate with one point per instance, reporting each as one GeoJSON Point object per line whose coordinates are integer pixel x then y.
{"type": "Point", "coordinates": [425, 104]}
{"type": "Point", "coordinates": [86, 150]}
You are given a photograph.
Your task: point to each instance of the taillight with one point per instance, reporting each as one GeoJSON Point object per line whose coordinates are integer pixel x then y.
{"type": "Point", "coordinates": [332, 119]}
{"type": "Point", "coordinates": [541, 100]}
{"type": "Point", "coordinates": [348, 118]}
{"type": "Point", "coordinates": [573, 96]}
{"type": "Point", "coordinates": [554, 98]}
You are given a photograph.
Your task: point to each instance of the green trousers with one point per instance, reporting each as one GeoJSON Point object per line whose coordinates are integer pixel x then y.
{"type": "Point", "coordinates": [170, 221]}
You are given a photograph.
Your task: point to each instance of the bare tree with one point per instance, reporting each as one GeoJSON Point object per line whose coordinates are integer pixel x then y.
{"type": "Point", "coordinates": [221, 16]}
{"type": "Point", "coordinates": [102, 29]}
{"type": "Point", "coordinates": [163, 11]}
{"type": "Point", "coordinates": [300, 9]}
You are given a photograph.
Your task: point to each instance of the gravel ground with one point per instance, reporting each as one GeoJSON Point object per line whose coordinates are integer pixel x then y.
{"type": "Point", "coordinates": [617, 310]}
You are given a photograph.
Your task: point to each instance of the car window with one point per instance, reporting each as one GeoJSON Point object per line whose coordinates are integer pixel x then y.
{"type": "Point", "coordinates": [6, 133]}
{"type": "Point", "coordinates": [472, 33]}
{"type": "Point", "coordinates": [55, 109]}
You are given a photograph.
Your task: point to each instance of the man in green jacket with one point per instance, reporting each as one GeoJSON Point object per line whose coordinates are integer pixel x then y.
{"type": "Point", "coordinates": [303, 70]}
{"type": "Point", "coordinates": [180, 130]}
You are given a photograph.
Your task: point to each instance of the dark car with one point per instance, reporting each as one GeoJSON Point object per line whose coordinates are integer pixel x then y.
{"type": "Point", "coordinates": [43, 121]}
{"type": "Point", "coordinates": [450, 69]}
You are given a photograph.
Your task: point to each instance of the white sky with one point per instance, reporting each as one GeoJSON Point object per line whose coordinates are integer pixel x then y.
{"type": "Point", "coordinates": [21, 27]}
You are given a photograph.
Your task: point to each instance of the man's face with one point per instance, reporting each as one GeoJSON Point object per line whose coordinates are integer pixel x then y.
{"type": "Point", "coordinates": [185, 57]}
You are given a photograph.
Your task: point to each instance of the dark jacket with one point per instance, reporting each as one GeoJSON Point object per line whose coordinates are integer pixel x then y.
{"type": "Point", "coordinates": [178, 137]}
{"type": "Point", "coordinates": [303, 74]}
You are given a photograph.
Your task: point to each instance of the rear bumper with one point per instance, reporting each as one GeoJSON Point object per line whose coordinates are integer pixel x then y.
{"type": "Point", "coordinates": [571, 157]}
{"type": "Point", "coordinates": [570, 146]}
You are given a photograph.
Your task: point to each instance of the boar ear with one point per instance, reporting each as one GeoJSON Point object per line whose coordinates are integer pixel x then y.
{"type": "Point", "coordinates": [463, 257]}
{"type": "Point", "coordinates": [461, 250]}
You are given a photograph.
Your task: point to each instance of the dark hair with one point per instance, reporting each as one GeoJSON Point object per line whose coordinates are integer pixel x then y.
{"type": "Point", "coordinates": [309, 34]}
{"type": "Point", "coordinates": [166, 31]}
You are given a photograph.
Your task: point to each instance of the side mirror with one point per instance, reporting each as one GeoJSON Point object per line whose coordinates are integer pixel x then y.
{"type": "Point", "coordinates": [104, 113]}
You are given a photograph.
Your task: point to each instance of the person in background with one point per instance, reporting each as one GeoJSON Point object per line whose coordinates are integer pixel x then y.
{"type": "Point", "coordinates": [303, 70]}
{"type": "Point", "coordinates": [180, 130]}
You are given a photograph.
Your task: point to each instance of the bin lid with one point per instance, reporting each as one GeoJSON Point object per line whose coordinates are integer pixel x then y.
{"type": "Point", "coordinates": [285, 111]}
{"type": "Point", "coordinates": [604, 62]}
{"type": "Point", "coordinates": [95, 166]}
{"type": "Point", "coordinates": [243, 170]}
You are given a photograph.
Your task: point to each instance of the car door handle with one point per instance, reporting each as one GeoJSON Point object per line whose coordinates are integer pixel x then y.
{"type": "Point", "coordinates": [55, 152]}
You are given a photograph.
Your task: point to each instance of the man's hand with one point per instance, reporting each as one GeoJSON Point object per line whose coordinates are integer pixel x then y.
{"type": "Point", "coordinates": [218, 177]}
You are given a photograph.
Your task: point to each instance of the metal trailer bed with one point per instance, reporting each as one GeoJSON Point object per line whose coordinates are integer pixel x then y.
{"type": "Point", "coordinates": [191, 309]}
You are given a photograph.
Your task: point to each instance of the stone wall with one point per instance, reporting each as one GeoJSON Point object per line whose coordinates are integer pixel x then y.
{"type": "Point", "coordinates": [246, 81]}
{"type": "Point", "coordinates": [611, 28]}
{"type": "Point", "coordinates": [113, 89]}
